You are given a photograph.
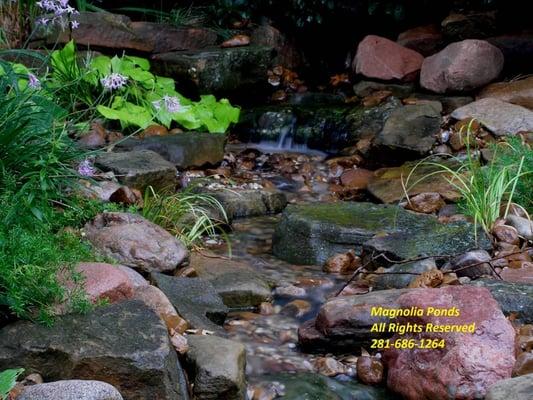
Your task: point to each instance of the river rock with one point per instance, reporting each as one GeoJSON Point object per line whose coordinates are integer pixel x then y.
{"type": "Point", "coordinates": [426, 40]}
{"type": "Point", "coordinates": [381, 58]}
{"type": "Point", "coordinates": [195, 299]}
{"type": "Point", "coordinates": [410, 131]}
{"type": "Point", "coordinates": [480, 257]}
{"type": "Point", "coordinates": [524, 226]}
{"type": "Point", "coordinates": [217, 70]}
{"type": "Point", "coordinates": [462, 66]}
{"type": "Point", "coordinates": [182, 149]}
{"type": "Point", "coordinates": [469, 363]}
{"type": "Point", "coordinates": [105, 282]}
{"type": "Point", "coordinates": [518, 92]}
{"type": "Point", "coordinates": [139, 169]}
{"type": "Point", "coordinates": [238, 284]}
{"type": "Point", "coordinates": [243, 203]}
{"type": "Point", "coordinates": [399, 281]}
{"type": "Point", "coordinates": [136, 242]}
{"type": "Point", "coordinates": [217, 367]}
{"type": "Point", "coordinates": [497, 116]}
{"type": "Point", "coordinates": [513, 298]}
{"type": "Point", "coordinates": [70, 390]}
{"type": "Point", "coordinates": [519, 388]}
{"type": "Point", "coordinates": [103, 345]}
{"type": "Point", "coordinates": [117, 32]}
{"type": "Point", "coordinates": [369, 370]}
{"type": "Point", "coordinates": [388, 184]}
{"type": "Point", "coordinates": [426, 203]}
{"type": "Point", "coordinates": [136, 279]}
{"type": "Point", "coordinates": [344, 322]}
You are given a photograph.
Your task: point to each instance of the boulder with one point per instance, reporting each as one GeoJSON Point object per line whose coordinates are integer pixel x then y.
{"type": "Point", "coordinates": [217, 70]}
{"type": "Point", "coordinates": [410, 131]}
{"type": "Point", "coordinates": [518, 92]}
{"type": "Point", "coordinates": [139, 169]}
{"type": "Point", "coordinates": [356, 178]}
{"type": "Point", "coordinates": [426, 40]}
{"type": "Point", "coordinates": [388, 184]}
{"type": "Point", "coordinates": [497, 116]}
{"type": "Point", "coordinates": [469, 25]}
{"type": "Point", "coordinates": [195, 299]}
{"type": "Point", "coordinates": [217, 368]}
{"type": "Point", "coordinates": [105, 282]}
{"type": "Point", "coordinates": [462, 66]}
{"type": "Point", "coordinates": [312, 233]}
{"type": "Point", "coordinates": [346, 321]}
{"type": "Point", "coordinates": [239, 285]}
{"type": "Point", "coordinates": [136, 242]}
{"type": "Point", "coordinates": [519, 388]}
{"type": "Point", "coordinates": [243, 203]}
{"type": "Point", "coordinates": [287, 54]}
{"type": "Point", "coordinates": [469, 363]}
{"type": "Point", "coordinates": [398, 281]}
{"type": "Point", "coordinates": [103, 345]}
{"type": "Point", "coordinates": [136, 279]}
{"type": "Point", "coordinates": [522, 275]}
{"type": "Point", "coordinates": [513, 298]}
{"type": "Point", "coordinates": [114, 32]}
{"type": "Point", "coordinates": [70, 390]}
{"type": "Point", "coordinates": [381, 58]}
{"type": "Point", "coordinates": [181, 149]}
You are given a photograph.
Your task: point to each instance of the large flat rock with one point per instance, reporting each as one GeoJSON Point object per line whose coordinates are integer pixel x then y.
{"type": "Point", "coordinates": [183, 150]}
{"type": "Point", "coordinates": [195, 299]}
{"type": "Point", "coordinates": [125, 345]}
{"type": "Point", "coordinates": [311, 233]}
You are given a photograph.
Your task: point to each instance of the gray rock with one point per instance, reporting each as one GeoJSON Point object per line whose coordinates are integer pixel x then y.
{"type": "Point", "coordinates": [135, 242]}
{"type": "Point", "coordinates": [497, 116]}
{"type": "Point", "coordinates": [399, 281]}
{"type": "Point", "coordinates": [71, 390]}
{"type": "Point", "coordinates": [470, 258]}
{"type": "Point", "coordinates": [105, 345]}
{"type": "Point", "coordinates": [195, 299]}
{"type": "Point", "coordinates": [240, 203]}
{"type": "Point", "coordinates": [217, 367]}
{"type": "Point", "coordinates": [182, 149]}
{"type": "Point", "coordinates": [514, 298]}
{"type": "Point", "coordinates": [519, 388]}
{"type": "Point", "coordinates": [411, 129]}
{"type": "Point", "coordinates": [311, 233]}
{"type": "Point", "coordinates": [139, 169]}
{"type": "Point", "coordinates": [366, 88]}
{"type": "Point", "coordinates": [217, 70]}
{"type": "Point", "coordinates": [524, 226]}
{"type": "Point", "coordinates": [239, 285]}
{"type": "Point", "coordinates": [449, 103]}
{"type": "Point", "coordinates": [346, 321]}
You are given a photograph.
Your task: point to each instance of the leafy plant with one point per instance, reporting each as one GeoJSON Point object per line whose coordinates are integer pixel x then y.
{"type": "Point", "coordinates": [8, 380]}
{"type": "Point", "coordinates": [187, 214]}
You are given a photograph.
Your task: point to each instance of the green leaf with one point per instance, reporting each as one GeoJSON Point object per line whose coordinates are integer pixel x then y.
{"type": "Point", "coordinates": [102, 64]}
{"type": "Point", "coordinates": [8, 379]}
{"type": "Point", "coordinates": [142, 63]}
{"type": "Point", "coordinates": [127, 113]}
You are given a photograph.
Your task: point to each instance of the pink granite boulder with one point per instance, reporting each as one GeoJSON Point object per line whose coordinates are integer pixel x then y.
{"type": "Point", "coordinates": [105, 281]}
{"type": "Point", "coordinates": [469, 363]}
{"type": "Point", "coordinates": [381, 58]}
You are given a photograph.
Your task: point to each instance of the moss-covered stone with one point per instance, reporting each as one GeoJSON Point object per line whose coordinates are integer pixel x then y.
{"type": "Point", "coordinates": [311, 233]}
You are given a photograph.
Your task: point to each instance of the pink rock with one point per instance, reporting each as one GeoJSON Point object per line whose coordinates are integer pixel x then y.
{"type": "Point", "coordinates": [105, 281]}
{"type": "Point", "coordinates": [462, 66]}
{"type": "Point", "coordinates": [518, 275]}
{"type": "Point", "coordinates": [382, 58]}
{"type": "Point", "coordinates": [469, 363]}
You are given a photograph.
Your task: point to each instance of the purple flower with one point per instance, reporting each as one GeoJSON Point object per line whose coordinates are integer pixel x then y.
{"type": "Point", "coordinates": [86, 168]}
{"type": "Point", "coordinates": [74, 24]}
{"type": "Point", "coordinates": [61, 11]}
{"type": "Point", "coordinates": [114, 81]}
{"type": "Point", "coordinates": [33, 81]}
{"type": "Point", "coordinates": [172, 104]}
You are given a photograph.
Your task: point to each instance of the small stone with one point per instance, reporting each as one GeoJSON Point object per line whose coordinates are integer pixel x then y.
{"type": "Point", "coordinates": [506, 234]}
{"type": "Point", "coordinates": [426, 203]}
{"type": "Point", "coordinates": [266, 308]}
{"type": "Point", "coordinates": [519, 388]}
{"type": "Point", "coordinates": [369, 370]}
{"type": "Point", "coordinates": [523, 364]}
{"type": "Point", "coordinates": [523, 226]}
{"type": "Point", "coordinates": [356, 178]}
{"type": "Point", "coordinates": [237, 41]}
{"type": "Point", "coordinates": [154, 130]}
{"type": "Point", "coordinates": [342, 263]}
{"type": "Point", "coordinates": [180, 343]}
{"type": "Point", "coordinates": [296, 308]}
{"type": "Point", "coordinates": [328, 366]}
{"type": "Point", "coordinates": [376, 98]}
{"type": "Point", "coordinates": [125, 195]}
{"type": "Point", "coordinates": [187, 272]}
{"type": "Point", "coordinates": [70, 390]}
{"type": "Point", "coordinates": [478, 257]}
{"type": "Point", "coordinates": [290, 291]}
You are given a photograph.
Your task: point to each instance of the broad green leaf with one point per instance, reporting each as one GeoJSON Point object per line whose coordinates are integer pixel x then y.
{"type": "Point", "coordinates": [127, 113]}
{"type": "Point", "coordinates": [102, 64]}
{"type": "Point", "coordinates": [142, 63]}
{"type": "Point", "coordinates": [8, 379]}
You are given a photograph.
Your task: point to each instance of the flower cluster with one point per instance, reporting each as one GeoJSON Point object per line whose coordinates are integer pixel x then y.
{"type": "Point", "coordinates": [171, 103]}
{"type": "Point", "coordinates": [114, 81]}
{"type": "Point", "coordinates": [86, 168]}
{"type": "Point", "coordinates": [33, 82]}
{"type": "Point", "coordinates": [58, 12]}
